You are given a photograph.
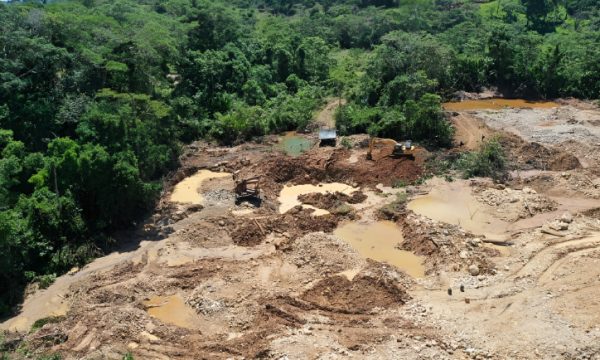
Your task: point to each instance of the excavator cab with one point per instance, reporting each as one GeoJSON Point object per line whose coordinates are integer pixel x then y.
{"type": "Point", "coordinates": [247, 189]}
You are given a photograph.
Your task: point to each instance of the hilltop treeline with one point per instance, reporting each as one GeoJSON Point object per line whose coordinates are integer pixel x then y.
{"type": "Point", "coordinates": [97, 96]}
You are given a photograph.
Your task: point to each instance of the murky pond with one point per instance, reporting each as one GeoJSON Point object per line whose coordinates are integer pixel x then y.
{"type": "Point", "coordinates": [497, 104]}
{"type": "Point", "coordinates": [293, 144]}
{"type": "Point", "coordinates": [453, 203]}
{"type": "Point", "coordinates": [172, 310]}
{"type": "Point", "coordinates": [289, 195]}
{"type": "Point", "coordinates": [186, 191]}
{"type": "Point", "coordinates": [378, 241]}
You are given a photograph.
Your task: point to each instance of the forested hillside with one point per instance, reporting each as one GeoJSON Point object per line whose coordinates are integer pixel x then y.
{"type": "Point", "coordinates": [98, 96]}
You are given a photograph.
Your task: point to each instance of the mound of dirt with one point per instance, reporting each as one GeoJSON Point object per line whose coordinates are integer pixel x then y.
{"type": "Point", "coordinates": [378, 286]}
{"type": "Point", "coordinates": [296, 222]}
{"type": "Point", "coordinates": [512, 205]}
{"type": "Point", "coordinates": [444, 246]}
{"type": "Point", "coordinates": [310, 168]}
{"type": "Point", "coordinates": [319, 253]}
{"type": "Point", "coordinates": [528, 156]}
{"type": "Point", "coordinates": [330, 201]}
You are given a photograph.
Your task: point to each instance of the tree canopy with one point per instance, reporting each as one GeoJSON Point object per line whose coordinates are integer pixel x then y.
{"type": "Point", "coordinates": [97, 97]}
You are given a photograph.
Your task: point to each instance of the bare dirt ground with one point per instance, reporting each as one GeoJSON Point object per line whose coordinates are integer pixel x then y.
{"type": "Point", "coordinates": [325, 117]}
{"type": "Point", "coordinates": [510, 270]}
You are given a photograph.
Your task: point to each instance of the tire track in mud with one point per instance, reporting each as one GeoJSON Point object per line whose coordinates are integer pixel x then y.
{"type": "Point", "coordinates": [546, 277]}
{"type": "Point", "coordinates": [539, 266]}
{"type": "Point", "coordinates": [542, 262]}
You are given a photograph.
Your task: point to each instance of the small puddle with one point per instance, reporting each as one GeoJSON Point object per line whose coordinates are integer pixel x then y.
{"type": "Point", "coordinates": [453, 203]}
{"type": "Point", "coordinates": [289, 195]}
{"type": "Point", "coordinates": [172, 310]}
{"type": "Point", "coordinates": [186, 191]}
{"type": "Point", "coordinates": [497, 104]}
{"type": "Point", "coordinates": [294, 145]}
{"type": "Point", "coordinates": [378, 241]}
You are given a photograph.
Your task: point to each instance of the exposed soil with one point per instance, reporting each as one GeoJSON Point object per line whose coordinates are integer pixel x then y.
{"type": "Point", "coordinates": [511, 270]}
{"type": "Point", "coordinates": [330, 201]}
{"type": "Point", "coordinates": [526, 156]}
{"type": "Point", "coordinates": [373, 287]}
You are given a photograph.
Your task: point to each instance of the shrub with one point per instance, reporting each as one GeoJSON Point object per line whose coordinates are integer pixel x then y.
{"type": "Point", "coordinates": [346, 143]}
{"type": "Point", "coordinates": [399, 184]}
{"type": "Point", "coordinates": [489, 161]}
{"type": "Point", "coordinates": [395, 209]}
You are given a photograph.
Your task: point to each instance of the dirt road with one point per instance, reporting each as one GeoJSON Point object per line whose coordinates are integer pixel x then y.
{"type": "Point", "coordinates": [325, 117]}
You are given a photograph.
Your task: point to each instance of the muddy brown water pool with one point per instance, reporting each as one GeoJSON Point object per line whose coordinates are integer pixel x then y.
{"type": "Point", "coordinates": [497, 104]}
{"type": "Point", "coordinates": [454, 203]}
{"type": "Point", "coordinates": [186, 191]}
{"type": "Point", "coordinates": [378, 241]}
{"type": "Point", "coordinates": [172, 310]}
{"type": "Point", "coordinates": [289, 195]}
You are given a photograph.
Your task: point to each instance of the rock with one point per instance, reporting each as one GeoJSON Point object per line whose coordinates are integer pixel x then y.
{"type": "Point", "coordinates": [528, 190]}
{"type": "Point", "coordinates": [558, 226]}
{"type": "Point", "coordinates": [475, 242]}
{"type": "Point", "coordinates": [474, 270]}
{"type": "Point", "coordinates": [151, 338]}
{"type": "Point", "coordinates": [194, 208]}
{"type": "Point", "coordinates": [221, 223]}
{"type": "Point", "coordinates": [567, 217]}
{"type": "Point", "coordinates": [464, 254]}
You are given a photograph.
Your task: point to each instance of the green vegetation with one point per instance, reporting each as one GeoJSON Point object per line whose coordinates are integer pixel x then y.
{"type": "Point", "coordinates": [97, 96]}
{"type": "Point", "coordinates": [50, 357]}
{"type": "Point", "coordinates": [38, 324]}
{"type": "Point", "coordinates": [489, 161]}
{"type": "Point", "coordinates": [346, 143]}
{"type": "Point", "coordinates": [395, 209]}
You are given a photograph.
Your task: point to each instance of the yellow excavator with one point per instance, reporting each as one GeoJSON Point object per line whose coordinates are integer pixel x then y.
{"type": "Point", "coordinates": [246, 188]}
{"type": "Point", "coordinates": [403, 149]}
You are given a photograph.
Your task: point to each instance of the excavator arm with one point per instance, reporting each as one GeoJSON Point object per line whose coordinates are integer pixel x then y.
{"type": "Point", "coordinates": [376, 141]}
{"type": "Point", "coordinates": [399, 149]}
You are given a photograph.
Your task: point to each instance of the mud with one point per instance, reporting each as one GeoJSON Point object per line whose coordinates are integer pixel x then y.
{"type": "Point", "coordinates": [186, 191]}
{"type": "Point", "coordinates": [504, 270]}
{"type": "Point", "coordinates": [369, 289]}
{"type": "Point", "coordinates": [454, 203]}
{"type": "Point", "coordinates": [290, 196]}
{"type": "Point", "coordinates": [295, 222]}
{"type": "Point", "coordinates": [330, 201]}
{"type": "Point", "coordinates": [336, 168]}
{"type": "Point", "coordinates": [172, 310]}
{"type": "Point", "coordinates": [380, 241]}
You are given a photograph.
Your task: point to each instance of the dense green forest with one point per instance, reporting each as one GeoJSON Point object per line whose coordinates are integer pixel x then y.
{"type": "Point", "coordinates": [98, 96]}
